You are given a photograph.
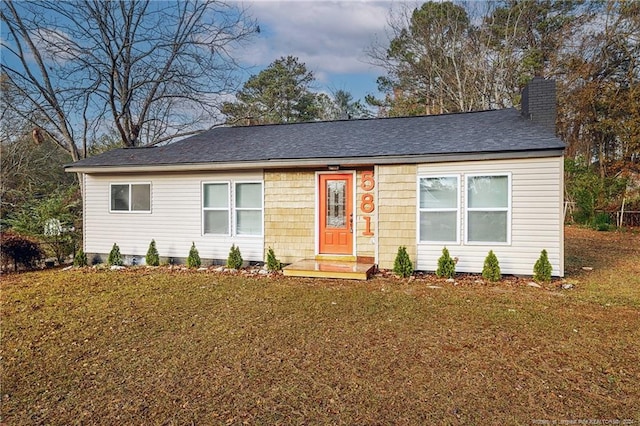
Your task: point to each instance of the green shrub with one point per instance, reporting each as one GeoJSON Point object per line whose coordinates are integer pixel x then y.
{"type": "Point", "coordinates": [402, 265]}
{"type": "Point", "coordinates": [80, 259]}
{"type": "Point", "coordinates": [446, 265]}
{"type": "Point", "coordinates": [273, 264]}
{"type": "Point", "coordinates": [602, 222]}
{"type": "Point", "coordinates": [152, 258]}
{"type": "Point", "coordinates": [115, 258]}
{"type": "Point", "coordinates": [542, 268]}
{"type": "Point", "coordinates": [234, 260]}
{"type": "Point", "coordinates": [491, 268]}
{"type": "Point", "coordinates": [193, 260]}
{"type": "Point", "coordinates": [19, 250]}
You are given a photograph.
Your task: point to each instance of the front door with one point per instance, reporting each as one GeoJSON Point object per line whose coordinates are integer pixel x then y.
{"type": "Point", "coordinates": [336, 213]}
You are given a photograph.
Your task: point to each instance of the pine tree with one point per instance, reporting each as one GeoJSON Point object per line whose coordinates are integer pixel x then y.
{"type": "Point", "coordinates": [80, 259]}
{"type": "Point", "coordinates": [446, 265]}
{"type": "Point", "coordinates": [542, 268]}
{"type": "Point", "coordinates": [234, 260]}
{"type": "Point", "coordinates": [491, 269]}
{"type": "Point", "coordinates": [402, 265]}
{"type": "Point", "coordinates": [115, 258]}
{"type": "Point", "coordinates": [193, 261]}
{"type": "Point", "coordinates": [273, 264]}
{"type": "Point", "coordinates": [152, 258]}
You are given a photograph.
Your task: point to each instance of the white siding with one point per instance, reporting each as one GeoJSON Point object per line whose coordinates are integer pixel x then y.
{"type": "Point", "coordinates": [174, 222]}
{"type": "Point", "coordinates": [536, 219]}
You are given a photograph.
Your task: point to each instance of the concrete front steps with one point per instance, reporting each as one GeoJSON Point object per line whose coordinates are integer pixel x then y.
{"type": "Point", "coordinates": [327, 267]}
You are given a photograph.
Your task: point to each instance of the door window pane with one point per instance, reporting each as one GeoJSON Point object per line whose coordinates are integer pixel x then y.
{"type": "Point", "coordinates": [336, 204]}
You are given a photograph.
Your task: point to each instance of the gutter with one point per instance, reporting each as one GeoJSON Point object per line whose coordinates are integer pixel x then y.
{"type": "Point", "coordinates": [317, 162]}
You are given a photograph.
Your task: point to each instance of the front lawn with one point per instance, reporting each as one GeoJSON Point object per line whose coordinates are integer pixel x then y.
{"type": "Point", "coordinates": [158, 347]}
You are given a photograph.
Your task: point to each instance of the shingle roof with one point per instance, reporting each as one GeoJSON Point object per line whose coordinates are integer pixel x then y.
{"type": "Point", "coordinates": [498, 131]}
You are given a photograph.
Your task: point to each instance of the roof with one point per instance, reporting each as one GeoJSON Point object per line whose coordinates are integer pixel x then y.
{"type": "Point", "coordinates": [378, 140]}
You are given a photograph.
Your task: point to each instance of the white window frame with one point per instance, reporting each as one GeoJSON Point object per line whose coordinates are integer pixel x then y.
{"type": "Point", "coordinates": [236, 209]}
{"type": "Point", "coordinates": [228, 209]}
{"type": "Point", "coordinates": [456, 209]}
{"type": "Point", "coordinates": [130, 211]}
{"type": "Point", "coordinates": [507, 209]}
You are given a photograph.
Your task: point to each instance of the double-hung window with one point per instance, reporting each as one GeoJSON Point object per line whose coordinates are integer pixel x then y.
{"type": "Point", "coordinates": [215, 206]}
{"type": "Point", "coordinates": [488, 212]}
{"type": "Point", "coordinates": [248, 208]}
{"type": "Point", "coordinates": [232, 208]}
{"type": "Point", "coordinates": [130, 197]}
{"type": "Point", "coordinates": [439, 209]}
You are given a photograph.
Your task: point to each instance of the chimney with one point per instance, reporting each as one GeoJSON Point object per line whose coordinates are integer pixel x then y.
{"type": "Point", "coordinates": [539, 102]}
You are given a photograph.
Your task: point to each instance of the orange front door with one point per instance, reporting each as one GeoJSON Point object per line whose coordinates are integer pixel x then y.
{"type": "Point", "coordinates": [336, 213]}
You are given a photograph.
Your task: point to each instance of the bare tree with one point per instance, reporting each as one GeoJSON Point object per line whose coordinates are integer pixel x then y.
{"type": "Point", "coordinates": [151, 70]}
{"type": "Point", "coordinates": [436, 61]}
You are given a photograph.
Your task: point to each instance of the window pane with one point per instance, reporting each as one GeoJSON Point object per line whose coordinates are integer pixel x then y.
{"type": "Point", "coordinates": [249, 195]}
{"type": "Point", "coordinates": [488, 226]}
{"type": "Point", "coordinates": [336, 204]}
{"type": "Point", "coordinates": [216, 222]}
{"type": "Point", "coordinates": [249, 222]}
{"type": "Point", "coordinates": [488, 191]}
{"type": "Point", "coordinates": [141, 197]}
{"type": "Point", "coordinates": [439, 192]}
{"type": "Point", "coordinates": [438, 226]}
{"type": "Point", "coordinates": [216, 195]}
{"type": "Point", "coordinates": [120, 197]}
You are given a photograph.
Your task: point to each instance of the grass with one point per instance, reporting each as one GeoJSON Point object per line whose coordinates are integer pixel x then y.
{"type": "Point", "coordinates": [171, 347]}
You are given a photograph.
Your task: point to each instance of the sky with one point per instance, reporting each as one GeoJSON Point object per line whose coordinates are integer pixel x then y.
{"type": "Point", "coordinates": [330, 37]}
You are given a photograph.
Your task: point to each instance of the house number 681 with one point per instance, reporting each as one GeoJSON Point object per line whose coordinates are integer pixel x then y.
{"type": "Point", "coordinates": [367, 205]}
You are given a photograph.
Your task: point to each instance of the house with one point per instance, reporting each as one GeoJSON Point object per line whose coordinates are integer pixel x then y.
{"type": "Point", "coordinates": [342, 190]}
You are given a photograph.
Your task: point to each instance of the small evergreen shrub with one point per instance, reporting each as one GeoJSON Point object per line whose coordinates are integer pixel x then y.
{"type": "Point", "coordinates": [193, 260]}
{"type": "Point", "coordinates": [491, 268]}
{"type": "Point", "coordinates": [115, 258]}
{"type": "Point", "coordinates": [402, 265]}
{"type": "Point", "coordinates": [19, 250]}
{"type": "Point", "coordinates": [234, 260]}
{"type": "Point", "coordinates": [80, 259]}
{"type": "Point", "coordinates": [273, 264]}
{"type": "Point", "coordinates": [152, 258]}
{"type": "Point", "coordinates": [446, 265]}
{"type": "Point", "coordinates": [542, 268]}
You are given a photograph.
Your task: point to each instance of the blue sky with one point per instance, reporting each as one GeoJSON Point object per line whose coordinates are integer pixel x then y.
{"type": "Point", "coordinates": [330, 37]}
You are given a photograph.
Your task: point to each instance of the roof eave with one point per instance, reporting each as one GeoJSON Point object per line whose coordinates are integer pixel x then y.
{"type": "Point", "coordinates": [318, 162]}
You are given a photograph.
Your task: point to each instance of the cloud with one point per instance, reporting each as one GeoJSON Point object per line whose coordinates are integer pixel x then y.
{"type": "Point", "coordinates": [329, 37]}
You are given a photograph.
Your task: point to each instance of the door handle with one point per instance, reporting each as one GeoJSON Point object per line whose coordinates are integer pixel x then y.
{"type": "Point", "coordinates": [351, 223]}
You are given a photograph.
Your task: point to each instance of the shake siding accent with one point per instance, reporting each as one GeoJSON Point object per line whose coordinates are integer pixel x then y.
{"type": "Point", "coordinates": [289, 210]}
{"type": "Point", "coordinates": [174, 222]}
{"type": "Point", "coordinates": [536, 218]}
{"type": "Point", "coordinates": [396, 212]}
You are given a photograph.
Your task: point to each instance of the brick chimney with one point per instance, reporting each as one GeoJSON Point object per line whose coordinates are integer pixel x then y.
{"type": "Point", "coordinates": [539, 102]}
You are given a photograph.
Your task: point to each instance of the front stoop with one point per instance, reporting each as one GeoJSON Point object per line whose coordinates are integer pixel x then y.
{"type": "Point", "coordinates": [329, 269]}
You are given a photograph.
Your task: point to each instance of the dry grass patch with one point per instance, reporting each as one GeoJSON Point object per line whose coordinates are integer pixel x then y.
{"type": "Point", "coordinates": [153, 347]}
